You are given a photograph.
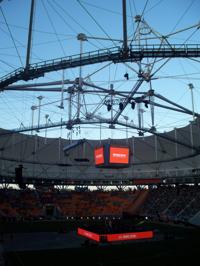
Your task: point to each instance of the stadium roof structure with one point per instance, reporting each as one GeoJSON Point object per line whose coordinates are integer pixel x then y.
{"type": "Point", "coordinates": [168, 157]}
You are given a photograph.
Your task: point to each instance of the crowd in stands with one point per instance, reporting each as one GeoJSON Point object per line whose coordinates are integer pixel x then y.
{"type": "Point", "coordinates": [172, 203]}
{"type": "Point", "coordinates": [34, 204]}
{"type": "Point", "coordinates": [18, 204]}
{"type": "Point", "coordinates": [166, 202]}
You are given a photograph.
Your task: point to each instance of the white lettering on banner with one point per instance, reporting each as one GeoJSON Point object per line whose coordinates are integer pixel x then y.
{"type": "Point", "coordinates": [88, 234]}
{"type": "Point", "coordinates": [99, 156]}
{"type": "Point", "coordinates": [119, 155]}
{"type": "Point", "coordinates": [127, 236]}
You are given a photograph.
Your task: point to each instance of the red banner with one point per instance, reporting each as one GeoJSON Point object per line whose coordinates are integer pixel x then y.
{"type": "Point", "coordinates": [129, 236]}
{"type": "Point", "coordinates": [119, 155]}
{"type": "Point", "coordinates": [88, 234]}
{"type": "Point", "coordinates": [115, 237]}
{"type": "Point", "coordinates": [99, 156]}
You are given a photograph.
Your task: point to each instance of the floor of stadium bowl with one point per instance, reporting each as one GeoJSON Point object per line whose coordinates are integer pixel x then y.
{"type": "Point", "coordinates": [52, 248]}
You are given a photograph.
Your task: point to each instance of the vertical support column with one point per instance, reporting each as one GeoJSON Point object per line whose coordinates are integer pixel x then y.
{"type": "Point", "coordinates": [39, 110]}
{"type": "Point", "coordinates": [34, 174]}
{"type": "Point", "coordinates": [111, 126]}
{"type": "Point", "coordinates": [100, 134]}
{"type": "Point", "coordinates": [30, 35]}
{"type": "Point", "coordinates": [138, 19]}
{"type": "Point", "coordinates": [156, 147]}
{"type": "Point", "coordinates": [59, 149]}
{"type": "Point", "coordinates": [191, 135]}
{"type": "Point", "coordinates": [191, 87]}
{"type": "Point", "coordinates": [140, 119]}
{"type": "Point", "coordinates": [139, 115]}
{"type": "Point", "coordinates": [125, 39]}
{"type": "Point", "coordinates": [46, 118]}
{"type": "Point", "coordinates": [33, 108]}
{"type": "Point", "coordinates": [133, 145]}
{"type": "Point", "coordinates": [152, 114]}
{"type": "Point", "coordinates": [35, 144]}
{"type": "Point", "coordinates": [13, 144]}
{"type": "Point", "coordinates": [79, 81]}
{"type": "Point", "coordinates": [151, 98]}
{"type": "Point", "coordinates": [84, 150]}
{"type": "Point", "coordinates": [61, 106]}
{"type": "Point", "coordinates": [111, 101]}
{"type": "Point", "coordinates": [81, 37]}
{"type": "Point", "coordinates": [70, 103]}
{"type": "Point", "coordinates": [61, 121]}
{"type": "Point", "coordinates": [176, 145]}
{"type": "Point", "coordinates": [198, 128]}
{"type": "Point", "coordinates": [2, 162]}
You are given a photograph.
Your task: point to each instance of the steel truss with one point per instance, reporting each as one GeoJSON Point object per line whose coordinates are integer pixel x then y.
{"type": "Point", "coordinates": [138, 54]}
{"type": "Point", "coordinates": [115, 55]}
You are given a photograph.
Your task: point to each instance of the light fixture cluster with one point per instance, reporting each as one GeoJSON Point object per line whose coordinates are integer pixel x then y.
{"type": "Point", "coordinates": [132, 102]}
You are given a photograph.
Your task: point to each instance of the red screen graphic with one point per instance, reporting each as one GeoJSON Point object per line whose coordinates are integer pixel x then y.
{"type": "Point", "coordinates": [116, 237]}
{"type": "Point", "coordinates": [88, 234]}
{"type": "Point", "coordinates": [119, 155]}
{"type": "Point", "coordinates": [129, 236]}
{"type": "Point", "coordinates": [99, 156]}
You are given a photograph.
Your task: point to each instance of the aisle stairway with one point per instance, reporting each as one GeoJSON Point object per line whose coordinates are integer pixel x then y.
{"type": "Point", "coordinates": [138, 202]}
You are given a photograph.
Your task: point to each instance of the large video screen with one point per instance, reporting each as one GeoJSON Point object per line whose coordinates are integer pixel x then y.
{"type": "Point", "coordinates": [109, 156]}
{"type": "Point", "coordinates": [119, 155]}
{"type": "Point", "coordinates": [99, 156]}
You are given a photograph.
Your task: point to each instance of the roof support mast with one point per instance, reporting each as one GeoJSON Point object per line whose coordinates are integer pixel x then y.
{"type": "Point", "coordinates": [125, 38]}
{"type": "Point", "coordinates": [30, 35]}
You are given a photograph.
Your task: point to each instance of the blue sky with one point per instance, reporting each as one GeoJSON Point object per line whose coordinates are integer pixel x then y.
{"type": "Point", "coordinates": [56, 25]}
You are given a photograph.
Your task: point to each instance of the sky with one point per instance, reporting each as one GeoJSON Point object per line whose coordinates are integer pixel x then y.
{"type": "Point", "coordinates": [56, 26]}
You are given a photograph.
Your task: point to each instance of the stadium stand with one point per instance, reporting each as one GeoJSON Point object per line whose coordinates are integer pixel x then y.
{"type": "Point", "coordinates": [172, 203]}
{"type": "Point", "coordinates": [167, 203]}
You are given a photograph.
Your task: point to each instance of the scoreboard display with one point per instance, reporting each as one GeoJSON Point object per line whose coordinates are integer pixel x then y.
{"type": "Point", "coordinates": [109, 156]}
{"type": "Point", "coordinates": [99, 156]}
{"type": "Point", "coordinates": [119, 155]}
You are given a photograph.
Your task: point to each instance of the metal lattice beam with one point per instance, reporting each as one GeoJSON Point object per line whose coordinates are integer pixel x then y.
{"type": "Point", "coordinates": [115, 55]}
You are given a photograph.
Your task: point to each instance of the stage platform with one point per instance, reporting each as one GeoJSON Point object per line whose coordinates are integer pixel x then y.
{"type": "Point", "coordinates": [52, 248]}
{"type": "Point", "coordinates": [115, 237]}
{"type": "Point", "coordinates": [69, 240]}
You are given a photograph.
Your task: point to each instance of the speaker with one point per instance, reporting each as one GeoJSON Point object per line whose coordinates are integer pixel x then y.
{"type": "Point", "coordinates": [19, 177]}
